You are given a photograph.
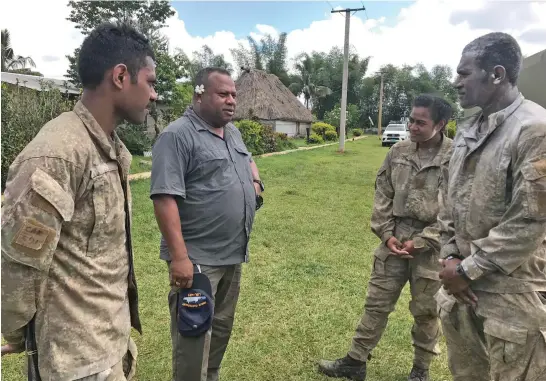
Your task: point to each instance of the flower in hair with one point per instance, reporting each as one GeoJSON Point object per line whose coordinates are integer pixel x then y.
{"type": "Point", "coordinates": [199, 89]}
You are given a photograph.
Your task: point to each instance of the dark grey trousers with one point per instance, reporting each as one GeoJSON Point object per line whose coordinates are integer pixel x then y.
{"type": "Point", "coordinates": [199, 358]}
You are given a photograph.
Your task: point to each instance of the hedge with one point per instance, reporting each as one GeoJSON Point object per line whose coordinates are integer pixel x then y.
{"type": "Point", "coordinates": [24, 113]}
{"type": "Point", "coordinates": [260, 139]}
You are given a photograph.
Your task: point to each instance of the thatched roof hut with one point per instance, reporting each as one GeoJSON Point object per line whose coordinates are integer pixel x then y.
{"type": "Point", "coordinates": [264, 97]}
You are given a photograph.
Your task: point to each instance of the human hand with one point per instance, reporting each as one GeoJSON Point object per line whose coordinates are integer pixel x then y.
{"type": "Point", "coordinates": [182, 273]}
{"type": "Point", "coordinates": [454, 284]}
{"type": "Point", "coordinates": [257, 188]}
{"type": "Point", "coordinates": [8, 349]}
{"type": "Point", "coordinates": [408, 246]}
{"type": "Point", "coordinates": [396, 248]}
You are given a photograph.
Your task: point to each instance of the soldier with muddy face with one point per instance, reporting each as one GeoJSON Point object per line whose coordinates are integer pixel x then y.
{"type": "Point", "coordinates": [493, 223]}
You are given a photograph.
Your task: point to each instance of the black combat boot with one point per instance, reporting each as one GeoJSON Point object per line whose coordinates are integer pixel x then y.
{"type": "Point", "coordinates": [346, 367]}
{"type": "Point", "coordinates": [418, 374]}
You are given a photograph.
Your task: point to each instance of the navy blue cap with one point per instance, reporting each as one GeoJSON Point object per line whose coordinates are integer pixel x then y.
{"type": "Point", "coordinates": [195, 307]}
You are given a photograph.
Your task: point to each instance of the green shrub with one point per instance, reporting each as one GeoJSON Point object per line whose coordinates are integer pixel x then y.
{"type": "Point", "coordinates": [283, 143]}
{"type": "Point", "coordinates": [330, 135]}
{"type": "Point", "coordinates": [135, 138]}
{"type": "Point", "coordinates": [357, 132]}
{"type": "Point", "coordinates": [320, 128]}
{"type": "Point", "coordinates": [24, 113]}
{"type": "Point", "coordinates": [260, 139]}
{"type": "Point", "coordinates": [269, 139]}
{"type": "Point", "coordinates": [451, 129]}
{"type": "Point", "coordinates": [315, 139]}
{"type": "Point", "coordinates": [251, 133]}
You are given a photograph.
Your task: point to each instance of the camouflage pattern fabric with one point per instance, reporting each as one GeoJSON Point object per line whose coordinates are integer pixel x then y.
{"type": "Point", "coordinates": [66, 258]}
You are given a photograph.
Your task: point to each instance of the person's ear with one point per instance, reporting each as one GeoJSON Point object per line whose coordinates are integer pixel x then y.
{"type": "Point", "coordinates": [441, 125]}
{"type": "Point", "coordinates": [120, 76]}
{"type": "Point", "coordinates": [499, 74]}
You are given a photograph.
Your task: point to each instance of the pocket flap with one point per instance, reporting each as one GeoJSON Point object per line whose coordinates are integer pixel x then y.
{"type": "Point", "coordinates": [241, 149]}
{"type": "Point", "coordinates": [103, 168]}
{"type": "Point", "coordinates": [382, 252]}
{"type": "Point", "coordinates": [505, 331]}
{"type": "Point", "coordinates": [534, 169]}
{"type": "Point", "coordinates": [444, 300]}
{"type": "Point", "coordinates": [47, 187]}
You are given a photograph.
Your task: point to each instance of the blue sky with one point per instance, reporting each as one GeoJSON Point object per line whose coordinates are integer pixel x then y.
{"type": "Point", "coordinates": [242, 17]}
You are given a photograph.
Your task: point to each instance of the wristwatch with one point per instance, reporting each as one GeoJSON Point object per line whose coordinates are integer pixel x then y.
{"type": "Point", "coordinates": [262, 187]}
{"type": "Point", "coordinates": [460, 271]}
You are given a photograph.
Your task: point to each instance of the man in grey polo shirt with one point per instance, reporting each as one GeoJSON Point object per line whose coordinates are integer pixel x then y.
{"type": "Point", "coordinates": [204, 188]}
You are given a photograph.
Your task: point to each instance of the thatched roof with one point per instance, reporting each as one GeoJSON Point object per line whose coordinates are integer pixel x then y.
{"type": "Point", "coordinates": [264, 96]}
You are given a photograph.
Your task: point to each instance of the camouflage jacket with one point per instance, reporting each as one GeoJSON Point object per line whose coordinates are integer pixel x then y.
{"type": "Point", "coordinates": [66, 254]}
{"type": "Point", "coordinates": [406, 202]}
{"type": "Point", "coordinates": [494, 211]}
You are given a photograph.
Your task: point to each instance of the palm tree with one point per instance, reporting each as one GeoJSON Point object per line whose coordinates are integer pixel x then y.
{"type": "Point", "coordinates": [268, 54]}
{"type": "Point", "coordinates": [9, 60]}
{"type": "Point", "coordinates": [7, 50]}
{"type": "Point", "coordinates": [304, 82]}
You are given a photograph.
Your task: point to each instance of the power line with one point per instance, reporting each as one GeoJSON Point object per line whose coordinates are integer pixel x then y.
{"type": "Point", "coordinates": [365, 11]}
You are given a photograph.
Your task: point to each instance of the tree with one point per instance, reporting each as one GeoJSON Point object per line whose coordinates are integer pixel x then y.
{"type": "Point", "coordinates": [329, 73]}
{"type": "Point", "coordinates": [147, 16]}
{"type": "Point", "coordinates": [400, 86]}
{"type": "Point", "coordinates": [302, 83]}
{"type": "Point", "coordinates": [268, 54]}
{"type": "Point", "coordinates": [333, 116]}
{"type": "Point", "coordinates": [11, 62]}
{"type": "Point", "coordinates": [204, 58]}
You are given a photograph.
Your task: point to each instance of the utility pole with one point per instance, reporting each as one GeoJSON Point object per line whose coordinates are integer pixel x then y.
{"type": "Point", "coordinates": [343, 116]}
{"type": "Point", "coordinates": [379, 117]}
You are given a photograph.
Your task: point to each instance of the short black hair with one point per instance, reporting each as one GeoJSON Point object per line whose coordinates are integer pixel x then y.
{"type": "Point", "coordinates": [110, 44]}
{"type": "Point", "coordinates": [439, 108]}
{"type": "Point", "coordinates": [497, 49]}
{"type": "Point", "coordinates": [202, 76]}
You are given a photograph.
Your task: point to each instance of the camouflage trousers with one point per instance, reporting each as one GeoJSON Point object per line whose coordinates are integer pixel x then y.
{"type": "Point", "coordinates": [386, 283]}
{"type": "Point", "coordinates": [199, 358]}
{"type": "Point", "coordinates": [122, 371]}
{"type": "Point", "coordinates": [493, 343]}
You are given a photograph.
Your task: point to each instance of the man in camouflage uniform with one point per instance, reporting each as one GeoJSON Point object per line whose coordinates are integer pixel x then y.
{"type": "Point", "coordinates": [67, 265]}
{"type": "Point", "coordinates": [493, 223]}
{"type": "Point", "coordinates": [405, 204]}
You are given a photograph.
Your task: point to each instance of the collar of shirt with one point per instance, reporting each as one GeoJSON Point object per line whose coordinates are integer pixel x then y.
{"type": "Point", "coordinates": [496, 119]}
{"type": "Point", "coordinates": [112, 146]}
{"type": "Point", "coordinates": [201, 125]}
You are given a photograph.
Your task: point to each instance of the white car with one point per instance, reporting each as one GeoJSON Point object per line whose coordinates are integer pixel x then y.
{"type": "Point", "coordinates": [393, 134]}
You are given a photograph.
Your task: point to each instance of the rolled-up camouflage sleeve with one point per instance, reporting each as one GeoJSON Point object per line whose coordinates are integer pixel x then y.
{"type": "Point", "coordinates": [382, 222]}
{"type": "Point", "coordinates": [523, 227]}
{"type": "Point", "coordinates": [39, 198]}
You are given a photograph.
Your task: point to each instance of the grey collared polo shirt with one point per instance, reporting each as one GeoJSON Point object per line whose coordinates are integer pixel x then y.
{"type": "Point", "coordinates": [212, 181]}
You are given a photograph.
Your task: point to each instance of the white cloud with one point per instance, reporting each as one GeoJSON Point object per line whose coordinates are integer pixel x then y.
{"type": "Point", "coordinates": [47, 39]}
{"type": "Point", "coordinates": [422, 32]}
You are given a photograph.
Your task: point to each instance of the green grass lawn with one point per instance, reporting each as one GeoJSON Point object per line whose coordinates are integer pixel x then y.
{"type": "Point", "coordinates": [301, 142]}
{"type": "Point", "coordinates": [137, 166]}
{"type": "Point", "coordinates": [304, 288]}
